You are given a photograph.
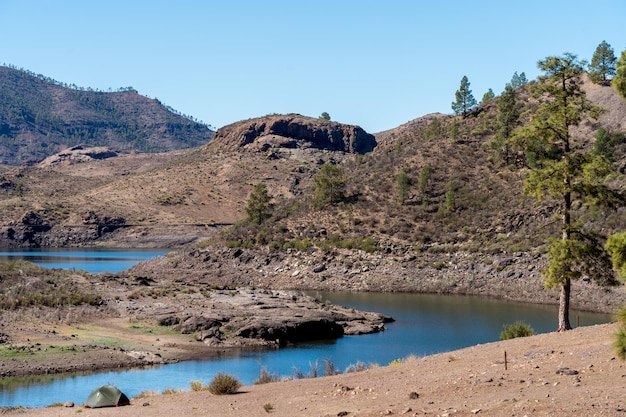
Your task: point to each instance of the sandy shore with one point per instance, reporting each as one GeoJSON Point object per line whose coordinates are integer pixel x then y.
{"type": "Point", "coordinates": [575, 373]}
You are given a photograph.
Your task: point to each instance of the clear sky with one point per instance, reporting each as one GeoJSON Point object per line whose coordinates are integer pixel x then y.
{"type": "Point", "coordinates": [376, 64]}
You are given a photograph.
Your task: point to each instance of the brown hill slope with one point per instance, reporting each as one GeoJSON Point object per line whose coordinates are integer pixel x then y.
{"type": "Point", "coordinates": [458, 197]}
{"type": "Point", "coordinates": [171, 197]}
{"type": "Point", "coordinates": [40, 117]}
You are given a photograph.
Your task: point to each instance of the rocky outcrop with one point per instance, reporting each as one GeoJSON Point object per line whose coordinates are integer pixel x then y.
{"type": "Point", "coordinates": [293, 130]}
{"type": "Point", "coordinates": [35, 230]}
{"type": "Point", "coordinates": [77, 154]}
{"type": "Point", "coordinates": [244, 317]}
{"type": "Point", "coordinates": [26, 232]}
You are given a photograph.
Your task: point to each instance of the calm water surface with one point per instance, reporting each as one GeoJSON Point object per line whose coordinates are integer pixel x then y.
{"type": "Point", "coordinates": [91, 260]}
{"type": "Point", "coordinates": [425, 324]}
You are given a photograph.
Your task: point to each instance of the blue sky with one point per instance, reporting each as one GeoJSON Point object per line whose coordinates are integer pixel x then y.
{"type": "Point", "coordinates": [376, 64]}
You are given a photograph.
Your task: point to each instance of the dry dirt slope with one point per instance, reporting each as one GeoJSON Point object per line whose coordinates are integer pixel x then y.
{"type": "Point", "coordinates": [557, 374]}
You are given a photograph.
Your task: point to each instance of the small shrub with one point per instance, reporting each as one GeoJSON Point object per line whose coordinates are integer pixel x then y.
{"type": "Point", "coordinates": [517, 329]}
{"type": "Point", "coordinates": [146, 394]}
{"type": "Point", "coordinates": [358, 367]}
{"type": "Point", "coordinates": [396, 362]}
{"type": "Point", "coordinates": [329, 368]}
{"type": "Point", "coordinates": [619, 337]}
{"type": "Point", "coordinates": [223, 384]}
{"type": "Point", "coordinates": [265, 377]}
{"type": "Point", "coordinates": [197, 386]}
{"type": "Point", "coordinates": [268, 407]}
{"type": "Point", "coordinates": [169, 391]}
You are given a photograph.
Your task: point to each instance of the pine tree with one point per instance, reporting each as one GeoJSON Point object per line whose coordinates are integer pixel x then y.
{"type": "Point", "coordinates": [602, 65]}
{"type": "Point", "coordinates": [330, 185]}
{"type": "Point", "coordinates": [488, 96]}
{"type": "Point", "coordinates": [518, 80]}
{"type": "Point", "coordinates": [522, 79]}
{"type": "Point", "coordinates": [403, 182]}
{"type": "Point", "coordinates": [507, 120]}
{"type": "Point", "coordinates": [567, 173]}
{"type": "Point", "coordinates": [465, 101]}
{"type": "Point", "coordinates": [259, 207]}
{"type": "Point", "coordinates": [619, 81]}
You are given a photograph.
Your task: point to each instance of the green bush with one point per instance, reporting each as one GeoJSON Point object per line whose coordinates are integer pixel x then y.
{"type": "Point", "coordinates": [223, 384]}
{"type": "Point", "coordinates": [517, 329]}
{"type": "Point", "coordinates": [619, 337]}
{"type": "Point", "coordinates": [197, 386]}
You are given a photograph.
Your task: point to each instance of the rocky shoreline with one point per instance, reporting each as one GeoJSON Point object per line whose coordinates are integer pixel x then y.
{"type": "Point", "coordinates": [141, 321]}
{"type": "Point", "coordinates": [213, 299]}
{"type": "Point", "coordinates": [506, 276]}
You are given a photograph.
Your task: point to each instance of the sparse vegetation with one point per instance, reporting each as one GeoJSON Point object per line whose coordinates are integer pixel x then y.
{"type": "Point", "coordinates": [125, 120]}
{"type": "Point", "coordinates": [266, 377]}
{"type": "Point", "coordinates": [50, 288]}
{"type": "Point", "coordinates": [197, 386]}
{"type": "Point", "coordinates": [224, 384]}
{"type": "Point", "coordinates": [517, 329]}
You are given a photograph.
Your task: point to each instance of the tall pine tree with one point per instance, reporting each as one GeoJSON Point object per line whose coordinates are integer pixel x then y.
{"type": "Point", "coordinates": [602, 66]}
{"type": "Point", "coordinates": [465, 101]}
{"type": "Point", "coordinates": [568, 174]}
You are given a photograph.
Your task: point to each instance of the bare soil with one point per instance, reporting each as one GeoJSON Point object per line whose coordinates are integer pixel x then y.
{"type": "Point", "coordinates": [573, 373]}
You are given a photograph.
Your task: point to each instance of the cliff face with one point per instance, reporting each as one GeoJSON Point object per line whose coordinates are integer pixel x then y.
{"type": "Point", "coordinates": [294, 130]}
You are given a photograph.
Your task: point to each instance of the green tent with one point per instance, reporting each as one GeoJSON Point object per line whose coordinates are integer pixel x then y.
{"type": "Point", "coordinates": [106, 396]}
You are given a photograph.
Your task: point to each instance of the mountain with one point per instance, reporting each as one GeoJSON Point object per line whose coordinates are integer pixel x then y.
{"type": "Point", "coordinates": [40, 117]}
{"type": "Point", "coordinates": [459, 197]}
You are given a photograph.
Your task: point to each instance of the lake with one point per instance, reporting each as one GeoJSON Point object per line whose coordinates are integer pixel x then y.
{"type": "Point", "coordinates": [425, 324]}
{"type": "Point", "coordinates": [93, 260]}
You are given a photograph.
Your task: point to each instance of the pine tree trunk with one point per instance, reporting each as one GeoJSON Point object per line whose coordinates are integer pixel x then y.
{"type": "Point", "coordinates": [564, 306]}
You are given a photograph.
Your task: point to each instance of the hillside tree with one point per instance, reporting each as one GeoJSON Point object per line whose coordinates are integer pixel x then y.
{"type": "Point", "coordinates": [465, 101]}
{"type": "Point", "coordinates": [330, 185]}
{"type": "Point", "coordinates": [259, 207]}
{"type": "Point", "coordinates": [488, 96]}
{"type": "Point", "coordinates": [403, 181]}
{"type": "Point", "coordinates": [325, 116]}
{"type": "Point", "coordinates": [602, 66]}
{"type": "Point", "coordinates": [569, 174]}
{"type": "Point", "coordinates": [506, 121]}
{"type": "Point", "coordinates": [619, 81]}
{"type": "Point", "coordinates": [518, 80]}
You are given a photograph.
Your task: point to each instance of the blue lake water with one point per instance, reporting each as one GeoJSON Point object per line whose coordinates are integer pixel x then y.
{"type": "Point", "coordinates": [91, 260]}
{"type": "Point", "coordinates": [425, 324]}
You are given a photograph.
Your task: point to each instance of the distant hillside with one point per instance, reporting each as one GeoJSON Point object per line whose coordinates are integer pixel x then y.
{"type": "Point", "coordinates": [40, 117]}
